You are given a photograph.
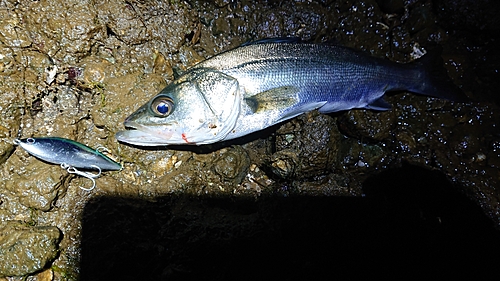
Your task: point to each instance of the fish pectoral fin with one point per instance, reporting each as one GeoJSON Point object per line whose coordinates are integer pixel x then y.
{"type": "Point", "coordinates": [277, 98]}
{"type": "Point", "coordinates": [379, 104]}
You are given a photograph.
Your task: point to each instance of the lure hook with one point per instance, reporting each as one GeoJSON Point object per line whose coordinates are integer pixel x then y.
{"type": "Point", "coordinates": [106, 152]}
{"type": "Point", "coordinates": [72, 170]}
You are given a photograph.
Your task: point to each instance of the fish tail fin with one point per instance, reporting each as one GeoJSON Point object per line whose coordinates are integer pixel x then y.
{"type": "Point", "coordinates": [436, 82]}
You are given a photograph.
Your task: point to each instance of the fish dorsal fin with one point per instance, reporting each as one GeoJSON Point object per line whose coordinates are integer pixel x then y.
{"type": "Point", "coordinates": [379, 104]}
{"type": "Point", "coordinates": [289, 40]}
{"type": "Point", "coordinates": [274, 99]}
{"type": "Point", "coordinates": [177, 72]}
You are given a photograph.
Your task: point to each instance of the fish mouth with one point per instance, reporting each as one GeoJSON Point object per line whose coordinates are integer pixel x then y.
{"type": "Point", "coordinates": [141, 135]}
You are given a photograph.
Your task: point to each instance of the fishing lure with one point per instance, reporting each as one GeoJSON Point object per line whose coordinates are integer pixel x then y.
{"type": "Point", "coordinates": [71, 155]}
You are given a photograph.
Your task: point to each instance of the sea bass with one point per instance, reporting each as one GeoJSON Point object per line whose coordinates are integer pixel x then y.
{"type": "Point", "coordinates": [257, 85]}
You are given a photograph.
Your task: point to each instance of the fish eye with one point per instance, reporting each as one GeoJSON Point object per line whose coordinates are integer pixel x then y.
{"type": "Point", "coordinates": [162, 106]}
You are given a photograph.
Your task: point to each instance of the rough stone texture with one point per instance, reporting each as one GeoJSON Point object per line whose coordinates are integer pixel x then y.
{"type": "Point", "coordinates": [26, 249]}
{"type": "Point", "coordinates": [35, 184]}
{"type": "Point", "coordinates": [265, 191]}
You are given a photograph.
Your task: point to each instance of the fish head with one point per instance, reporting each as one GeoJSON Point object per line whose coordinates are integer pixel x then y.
{"type": "Point", "coordinates": [200, 107]}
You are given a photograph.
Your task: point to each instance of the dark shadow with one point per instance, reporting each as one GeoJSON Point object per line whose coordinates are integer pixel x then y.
{"type": "Point", "coordinates": [411, 223]}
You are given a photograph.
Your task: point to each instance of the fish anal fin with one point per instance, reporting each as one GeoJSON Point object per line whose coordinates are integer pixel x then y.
{"type": "Point", "coordinates": [379, 104]}
{"type": "Point", "coordinates": [273, 99]}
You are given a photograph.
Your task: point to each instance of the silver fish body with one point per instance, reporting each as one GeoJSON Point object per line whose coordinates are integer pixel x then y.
{"type": "Point", "coordinates": [64, 151]}
{"type": "Point", "coordinates": [256, 86]}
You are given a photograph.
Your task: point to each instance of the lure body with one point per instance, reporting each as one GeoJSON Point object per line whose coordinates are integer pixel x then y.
{"type": "Point", "coordinates": [64, 151]}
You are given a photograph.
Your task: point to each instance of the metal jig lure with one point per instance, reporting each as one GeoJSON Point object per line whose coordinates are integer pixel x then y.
{"type": "Point", "coordinates": [70, 155]}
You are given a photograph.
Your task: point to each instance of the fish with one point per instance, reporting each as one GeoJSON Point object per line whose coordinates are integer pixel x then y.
{"type": "Point", "coordinates": [70, 153]}
{"type": "Point", "coordinates": [260, 84]}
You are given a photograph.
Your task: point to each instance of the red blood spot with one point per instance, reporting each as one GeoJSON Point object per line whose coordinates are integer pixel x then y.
{"type": "Point", "coordinates": [184, 137]}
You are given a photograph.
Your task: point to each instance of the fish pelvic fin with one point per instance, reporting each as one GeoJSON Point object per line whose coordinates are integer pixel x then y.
{"type": "Point", "coordinates": [278, 98]}
{"type": "Point", "coordinates": [379, 104]}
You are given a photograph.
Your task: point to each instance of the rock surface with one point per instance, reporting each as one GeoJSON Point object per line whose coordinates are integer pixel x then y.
{"type": "Point", "coordinates": [77, 69]}
{"type": "Point", "coordinates": [26, 249]}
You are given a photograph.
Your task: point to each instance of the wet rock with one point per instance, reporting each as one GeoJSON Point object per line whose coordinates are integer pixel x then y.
{"type": "Point", "coordinates": [162, 66]}
{"type": "Point", "coordinates": [68, 26]}
{"type": "Point", "coordinates": [36, 184]}
{"type": "Point", "coordinates": [329, 185]}
{"type": "Point", "coordinates": [12, 32]}
{"type": "Point", "coordinates": [367, 125]}
{"type": "Point", "coordinates": [122, 95]}
{"type": "Point", "coordinates": [6, 149]}
{"type": "Point", "coordinates": [391, 6]}
{"type": "Point", "coordinates": [216, 173]}
{"type": "Point", "coordinates": [123, 21]}
{"type": "Point", "coordinates": [406, 142]}
{"type": "Point", "coordinates": [475, 15]}
{"type": "Point", "coordinates": [402, 46]}
{"type": "Point", "coordinates": [7, 61]}
{"type": "Point", "coordinates": [285, 162]}
{"type": "Point", "coordinates": [244, 21]}
{"type": "Point", "coordinates": [149, 172]}
{"type": "Point", "coordinates": [185, 181]}
{"type": "Point", "coordinates": [221, 25]}
{"type": "Point", "coordinates": [113, 56]}
{"type": "Point", "coordinates": [26, 249]}
{"type": "Point", "coordinates": [305, 147]}
{"type": "Point", "coordinates": [232, 164]}
{"type": "Point", "coordinates": [11, 107]}
{"type": "Point", "coordinates": [494, 153]}
{"type": "Point", "coordinates": [93, 72]}
{"type": "Point", "coordinates": [189, 57]}
{"type": "Point", "coordinates": [361, 157]}
{"type": "Point", "coordinates": [421, 18]}
{"type": "Point", "coordinates": [465, 146]}
{"type": "Point", "coordinates": [46, 275]}
{"type": "Point", "coordinates": [369, 33]}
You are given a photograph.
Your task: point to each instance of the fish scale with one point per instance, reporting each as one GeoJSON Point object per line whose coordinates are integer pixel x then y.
{"type": "Point", "coordinates": [342, 77]}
